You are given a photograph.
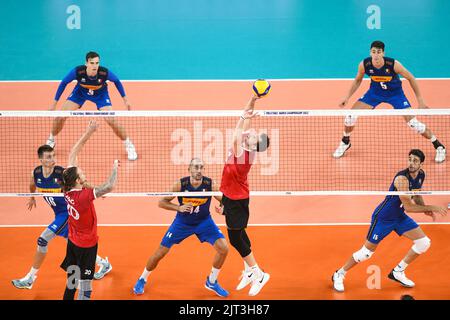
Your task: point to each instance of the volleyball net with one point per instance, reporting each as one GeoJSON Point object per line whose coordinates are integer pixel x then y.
{"type": "Point", "coordinates": [299, 160]}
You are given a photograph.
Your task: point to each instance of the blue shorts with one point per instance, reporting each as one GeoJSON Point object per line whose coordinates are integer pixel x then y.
{"type": "Point", "coordinates": [60, 225]}
{"type": "Point", "coordinates": [101, 99]}
{"type": "Point", "coordinates": [207, 230]}
{"type": "Point", "coordinates": [397, 100]}
{"type": "Point", "coordinates": [380, 229]}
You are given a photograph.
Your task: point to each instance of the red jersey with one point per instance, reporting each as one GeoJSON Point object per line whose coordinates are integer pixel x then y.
{"type": "Point", "coordinates": [82, 217]}
{"type": "Point", "coordinates": [234, 184]}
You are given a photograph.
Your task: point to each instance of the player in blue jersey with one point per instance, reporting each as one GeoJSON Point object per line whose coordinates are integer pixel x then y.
{"type": "Point", "coordinates": [91, 85]}
{"type": "Point", "coordinates": [46, 178]}
{"type": "Point", "coordinates": [390, 216]}
{"type": "Point", "coordinates": [193, 217]}
{"type": "Point", "coordinates": [385, 86]}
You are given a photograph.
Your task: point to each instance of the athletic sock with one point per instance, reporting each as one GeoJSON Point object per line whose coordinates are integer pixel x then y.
{"type": "Point", "coordinates": [213, 275]}
{"type": "Point", "coordinates": [145, 274]}
{"type": "Point", "coordinates": [346, 139]}
{"type": "Point", "coordinates": [342, 271]}
{"type": "Point", "coordinates": [401, 266]}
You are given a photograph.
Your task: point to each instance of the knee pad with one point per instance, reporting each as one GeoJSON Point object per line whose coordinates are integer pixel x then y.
{"type": "Point", "coordinates": [421, 245]}
{"type": "Point", "coordinates": [350, 120]}
{"type": "Point", "coordinates": [362, 255]}
{"type": "Point", "coordinates": [417, 126]}
{"type": "Point", "coordinates": [43, 240]}
{"type": "Point", "coordinates": [85, 289]}
{"type": "Point", "coordinates": [238, 243]}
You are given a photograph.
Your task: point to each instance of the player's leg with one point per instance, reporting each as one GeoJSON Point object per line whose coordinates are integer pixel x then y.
{"type": "Point", "coordinates": [87, 267]}
{"type": "Point", "coordinates": [176, 233]}
{"type": "Point", "coordinates": [117, 128]}
{"type": "Point", "coordinates": [208, 231]}
{"type": "Point", "coordinates": [57, 228]}
{"type": "Point", "coordinates": [409, 229]}
{"type": "Point", "coordinates": [378, 230]}
{"type": "Point", "coordinates": [70, 266]}
{"type": "Point", "coordinates": [73, 102]}
{"type": "Point", "coordinates": [423, 130]}
{"type": "Point", "coordinates": [368, 101]}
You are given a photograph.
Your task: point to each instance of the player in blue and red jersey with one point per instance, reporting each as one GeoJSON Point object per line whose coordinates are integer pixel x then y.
{"type": "Point", "coordinates": [390, 216]}
{"type": "Point", "coordinates": [91, 85]}
{"type": "Point", "coordinates": [385, 86]}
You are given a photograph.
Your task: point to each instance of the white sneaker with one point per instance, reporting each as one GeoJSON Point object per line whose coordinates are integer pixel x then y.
{"type": "Point", "coordinates": [131, 151]}
{"type": "Point", "coordinates": [24, 283]}
{"type": "Point", "coordinates": [246, 278]}
{"type": "Point", "coordinates": [440, 154]}
{"type": "Point", "coordinates": [340, 151]}
{"type": "Point", "coordinates": [50, 142]}
{"type": "Point", "coordinates": [400, 276]}
{"type": "Point", "coordinates": [105, 268]}
{"type": "Point", "coordinates": [338, 281]}
{"type": "Point", "coordinates": [258, 284]}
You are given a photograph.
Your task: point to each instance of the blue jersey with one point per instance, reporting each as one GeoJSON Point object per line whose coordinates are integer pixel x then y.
{"type": "Point", "coordinates": [200, 205]}
{"type": "Point", "coordinates": [51, 184]}
{"type": "Point", "coordinates": [383, 81]}
{"type": "Point", "coordinates": [391, 208]}
{"type": "Point", "coordinates": [90, 86]}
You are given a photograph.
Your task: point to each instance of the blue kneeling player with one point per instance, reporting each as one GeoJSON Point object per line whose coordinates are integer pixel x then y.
{"type": "Point", "coordinates": [385, 86]}
{"type": "Point", "coordinates": [390, 216]}
{"type": "Point", "coordinates": [193, 217]}
{"type": "Point", "coordinates": [46, 178]}
{"type": "Point", "coordinates": [91, 85]}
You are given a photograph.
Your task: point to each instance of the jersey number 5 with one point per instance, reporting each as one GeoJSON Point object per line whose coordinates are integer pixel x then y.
{"type": "Point", "coordinates": [383, 85]}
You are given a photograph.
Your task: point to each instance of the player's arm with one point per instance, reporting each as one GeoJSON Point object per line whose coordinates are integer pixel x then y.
{"type": "Point", "coordinates": [355, 84]}
{"type": "Point", "coordinates": [418, 199]}
{"type": "Point", "coordinates": [32, 201]}
{"type": "Point", "coordinates": [80, 143]}
{"type": "Point", "coordinates": [219, 208]}
{"type": "Point", "coordinates": [166, 202]}
{"type": "Point", "coordinates": [108, 186]}
{"type": "Point", "coordinates": [62, 86]}
{"type": "Point", "coordinates": [400, 69]}
{"type": "Point", "coordinates": [243, 124]}
{"type": "Point", "coordinates": [402, 184]}
{"type": "Point", "coordinates": [112, 77]}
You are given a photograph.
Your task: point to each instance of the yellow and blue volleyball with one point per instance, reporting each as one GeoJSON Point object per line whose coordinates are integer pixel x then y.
{"type": "Point", "coordinates": [261, 87]}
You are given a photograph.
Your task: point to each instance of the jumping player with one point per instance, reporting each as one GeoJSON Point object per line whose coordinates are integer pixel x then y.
{"type": "Point", "coordinates": [390, 216]}
{"type": "Point", "coordinates": [385, 86]}
{"type": "Point", "coordinates": [91, 85]}
{"type": "Point", "coordinates": [193, 217]}
{"type": "Point", "coordinates": [235, 200]}
{"type": "Point", "coordinates": [47, 178]}
{"type": "Point", "coordinates": [82, 244]}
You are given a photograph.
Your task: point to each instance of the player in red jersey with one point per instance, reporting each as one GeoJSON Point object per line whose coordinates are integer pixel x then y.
{"type": "Point", "coordinates": [235, 189]}
{"type": "Point", "coordinates": [82, 244]}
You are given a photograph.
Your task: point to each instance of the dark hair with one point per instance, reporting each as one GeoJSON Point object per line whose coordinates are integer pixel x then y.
{"type": "Point", "coordinates": [263, 142]}
{"type": "Point", "coordinates": [42, 149]}
{"type": "Point", "coordinates": [418, 153]}
{"type": "Point", "coordinates": [377, 44]}
{"type": "Point", "coordinates": [91, 55]}
{"type": "Point", "coordinates": [407, 297]}
{"type": "Point", "coordinates": [70, 176]}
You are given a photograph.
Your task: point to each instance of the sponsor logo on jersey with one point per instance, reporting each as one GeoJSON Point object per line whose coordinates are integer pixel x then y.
{"type": "Point", "coordinates": [381, 78]}
{"type": "Point", "coordinates": [195, 202]}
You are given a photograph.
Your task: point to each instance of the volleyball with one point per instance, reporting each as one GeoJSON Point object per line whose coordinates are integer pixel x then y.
{"type": "Point", "coordinates": [261, 87]}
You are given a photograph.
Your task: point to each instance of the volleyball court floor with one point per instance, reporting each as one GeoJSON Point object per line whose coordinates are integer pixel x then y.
{"type": "Point", "coordinates": [300, 241]}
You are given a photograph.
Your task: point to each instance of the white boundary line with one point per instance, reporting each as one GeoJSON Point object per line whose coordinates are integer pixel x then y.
{"type": "Point", "coordinates": [218, 80]}
{"type": "Point", "coordinates": [223, 225]}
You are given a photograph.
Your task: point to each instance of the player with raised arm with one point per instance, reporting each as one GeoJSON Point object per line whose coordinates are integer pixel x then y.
{"type": "Point", "coordinates": [82, 244]}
